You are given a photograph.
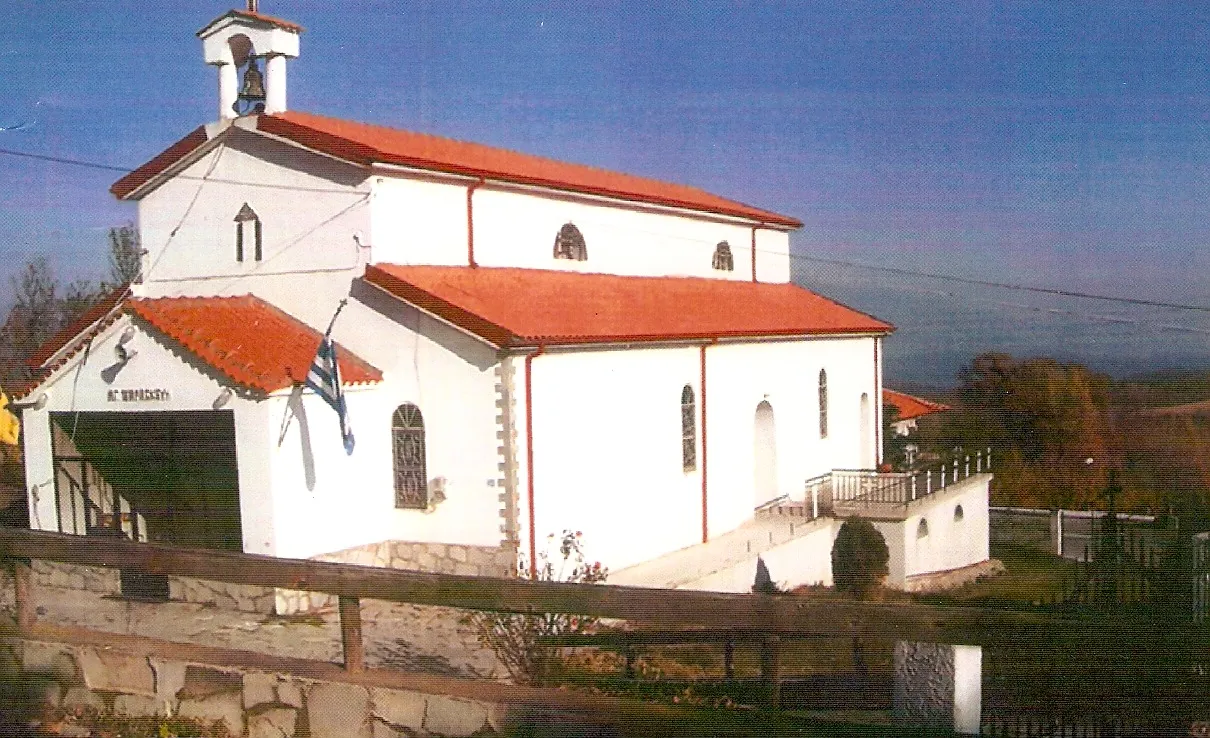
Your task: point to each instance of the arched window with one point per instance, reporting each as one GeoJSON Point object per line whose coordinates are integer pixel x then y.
{"type": "Point", "coordinates": [688, 429]}
{"type": "Point", "coordinates": [922, 530]}
{"type": "Point", "coordinates": [823, 403]}
{"type": "Point", "coordinates": [569, 244]}
{"type": "Point", "coordinates": [411, 474]}
{"type": "Point", "coordinates": [958, 514]}
{"type": "Point", "coordinates": [245, 216]}
{"type": "Point", "coordinates": [722, 257]}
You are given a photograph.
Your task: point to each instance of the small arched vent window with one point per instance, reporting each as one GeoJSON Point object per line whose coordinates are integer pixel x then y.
{"type": "Point", "coordinates": [823, 403]}
{"type": "Point", "coordinates": [922, 530]}
{"type": "Point", "coordinates": [688, 429]}
{"type": "Point", "coordinates": [569, 244]}
{"type": "Point", "coordinates": [722, 257]}
{"type": "Point", "coordinates": [958, 514]}
{"type": "Point", "coordinates": [408, 454]}
{"type": "Point", "coordinates": [244, 232]}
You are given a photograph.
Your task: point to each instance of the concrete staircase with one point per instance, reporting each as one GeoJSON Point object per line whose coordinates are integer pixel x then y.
{"type": "Point", "coordinates": [727, 563]}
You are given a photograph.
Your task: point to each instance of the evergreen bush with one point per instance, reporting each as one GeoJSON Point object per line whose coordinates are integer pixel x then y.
{"type": "Point", "coordinates": [859, 558]}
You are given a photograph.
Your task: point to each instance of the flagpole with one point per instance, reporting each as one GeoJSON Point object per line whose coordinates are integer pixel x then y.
{"type": "Point", "coordinates": [344, 301]}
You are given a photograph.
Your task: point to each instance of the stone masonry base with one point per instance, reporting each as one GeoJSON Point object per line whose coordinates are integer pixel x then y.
{"type": "Point", "coordinates": [438, 558]}
{"type": "Point", "coordinates": [251, 703]}
{"type": "Point", "coordinates": [940, 581]}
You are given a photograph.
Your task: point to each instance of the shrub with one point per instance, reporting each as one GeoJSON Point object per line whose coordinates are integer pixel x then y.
{"type": "Point", "coordinates": [859, 558]}
{"type": "Point", "coordinates": [518, 639]}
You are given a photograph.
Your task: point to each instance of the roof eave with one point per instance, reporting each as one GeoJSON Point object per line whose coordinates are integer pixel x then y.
{"type": "Point", "coordinates": [165, 165]}
{"type": "Point", "coordinates": [695, 339]}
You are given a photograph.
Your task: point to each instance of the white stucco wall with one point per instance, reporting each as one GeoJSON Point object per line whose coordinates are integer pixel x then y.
{"type": "Point", "coordinates": [607, 430]}
{"type": "Point", "coordinates": [81, 386]}
{"type": "Point", "coordinates": [310, 207]}
{"type": "Point", "coordinates": [423, 221]}
{"type": "Point", "coordinates": [336, 501]}
{"type": "Point", "coordinates": [784, 373]}
{"type": "Point", "coordinates": [950, 544]}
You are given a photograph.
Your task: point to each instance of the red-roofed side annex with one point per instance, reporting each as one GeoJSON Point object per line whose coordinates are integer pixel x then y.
{"type": "Point", "coordinates": [911, 407]}
{"type": "Point", "coordinates": [245, 341]}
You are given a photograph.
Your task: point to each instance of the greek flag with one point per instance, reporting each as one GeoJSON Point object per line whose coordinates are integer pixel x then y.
{"type": "Point", "coordinates": [324, 378]}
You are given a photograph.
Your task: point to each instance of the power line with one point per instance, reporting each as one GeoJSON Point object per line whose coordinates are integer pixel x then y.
{"type": "Point", "coordinates": [1002, 285]}
{"type": "Point", "coordinates": [127, 170]}
{"type": "Point", "coordinates": [1059, 292]}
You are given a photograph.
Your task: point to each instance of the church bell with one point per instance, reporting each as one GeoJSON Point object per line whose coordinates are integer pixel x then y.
{"type": "Point", "coordinates": [253, 91]}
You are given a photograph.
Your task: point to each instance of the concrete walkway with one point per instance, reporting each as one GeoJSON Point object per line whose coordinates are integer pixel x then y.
{"type": "Point", "coordinates": [688, 565]}
{"type": "Point", "coordinates": [406, 637]}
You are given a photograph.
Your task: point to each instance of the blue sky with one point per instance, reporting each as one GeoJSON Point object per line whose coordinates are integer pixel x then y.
{"type": "Point", "coordinates": [1057, 144]}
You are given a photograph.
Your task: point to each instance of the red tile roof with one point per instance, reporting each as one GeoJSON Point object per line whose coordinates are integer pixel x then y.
{"type": "Point", "coordinates": [91, 322]}
{"type": "Point", "coordinates": [911, 407]}
{"type": "Point", "coordinates": [527, 307]}
{"type": "Point", "coordinates": [245, 339]}
{"type": "Point", "coordinates": [366, 144]}
{"type": "Point", "coordinates": [159, 164]}
{"type": "Point", "coordinates": [261, 17]}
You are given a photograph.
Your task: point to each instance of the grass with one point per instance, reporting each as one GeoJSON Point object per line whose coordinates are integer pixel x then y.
{"type": "Point", "coordinates": [1031, 578]}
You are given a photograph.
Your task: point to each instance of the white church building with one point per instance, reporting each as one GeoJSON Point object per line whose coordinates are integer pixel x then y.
{"type": "Point", "coordinates": [528, 347]}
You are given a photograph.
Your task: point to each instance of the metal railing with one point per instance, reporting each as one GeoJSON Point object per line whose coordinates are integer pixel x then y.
{"type": "Point", "coordinates": [869, 487]}
{"type": "Point", "coordinates": [1201, 577]}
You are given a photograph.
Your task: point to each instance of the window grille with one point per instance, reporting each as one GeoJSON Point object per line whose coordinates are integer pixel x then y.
{"type": "Point", "coordinates": [722, 257]}
{"type": "Point", "coordinates": [688, 430]}
{"type": "Point", "coordinates": [411, 474]}
{"type": "Point", "coordinates": [569, 244]}
{"type": "Point", "coordinates": [823, 403]}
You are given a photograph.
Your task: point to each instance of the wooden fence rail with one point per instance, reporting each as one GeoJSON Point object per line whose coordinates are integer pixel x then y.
{"type": "Point", "coordinates": [649, 607]}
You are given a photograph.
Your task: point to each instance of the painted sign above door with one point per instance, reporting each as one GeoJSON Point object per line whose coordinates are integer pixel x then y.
{"type": "Point", "coordinates": [139, 395]}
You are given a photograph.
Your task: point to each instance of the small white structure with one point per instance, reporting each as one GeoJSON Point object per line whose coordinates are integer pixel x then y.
{"type": "Point", "coordinates": [529, 346]}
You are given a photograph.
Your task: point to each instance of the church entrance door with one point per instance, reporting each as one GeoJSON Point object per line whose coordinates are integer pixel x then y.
{"type": "Point", "coordinates": [764, 455]}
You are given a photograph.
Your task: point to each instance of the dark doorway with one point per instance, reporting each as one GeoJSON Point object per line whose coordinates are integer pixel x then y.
{"type": "Point", "coordinates": [163, 477]}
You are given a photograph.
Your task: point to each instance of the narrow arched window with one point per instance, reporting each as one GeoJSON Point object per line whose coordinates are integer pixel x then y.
{"type": "Point", "coordinates": [411, 474]}
{"type": "Point", "coordinates": [958, 514]}
{"type": "Point", "coordinates": [722, 257]}
{"type": "Point", "coordinates": [823, 403]}
{"type": "Point", "coordinates": [569, 244]}
{"type": "Point", "coordinates": [922, 530]}
{"type": "Point", "coordinates": [688, 429]}
{"type": "Point", "coordinates": [245, 216]}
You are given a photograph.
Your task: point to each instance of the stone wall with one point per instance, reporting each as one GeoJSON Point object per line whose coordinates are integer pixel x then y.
{"type": "Point", "coordinates": [86, 679]}
{"type": "Point", "coordinates": [940, 581]}
{"type": "Point", "coordinates": [74, 576]}
{"type": "Point", "coordinates": [440, 558]}
{"type": "Point", "coordinates": [243, 597]}
{"type": "Point", "coordinates": [8, 591]}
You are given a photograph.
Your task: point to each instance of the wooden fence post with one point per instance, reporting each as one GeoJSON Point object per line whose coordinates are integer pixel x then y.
{"type": "Point", "coordinates": [770, 667]}
{"type": "Point", "coordinates": [350, 633]}
{"type": "Point", "coordinates": [23, 583]}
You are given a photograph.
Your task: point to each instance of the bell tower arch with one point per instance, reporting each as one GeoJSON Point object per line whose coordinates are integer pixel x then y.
{"type": "Point", "coordinates": [247, 41]}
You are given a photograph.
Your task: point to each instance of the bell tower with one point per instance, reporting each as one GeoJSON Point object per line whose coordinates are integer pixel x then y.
{"type": "Point", "coordinates": [245, 41]}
